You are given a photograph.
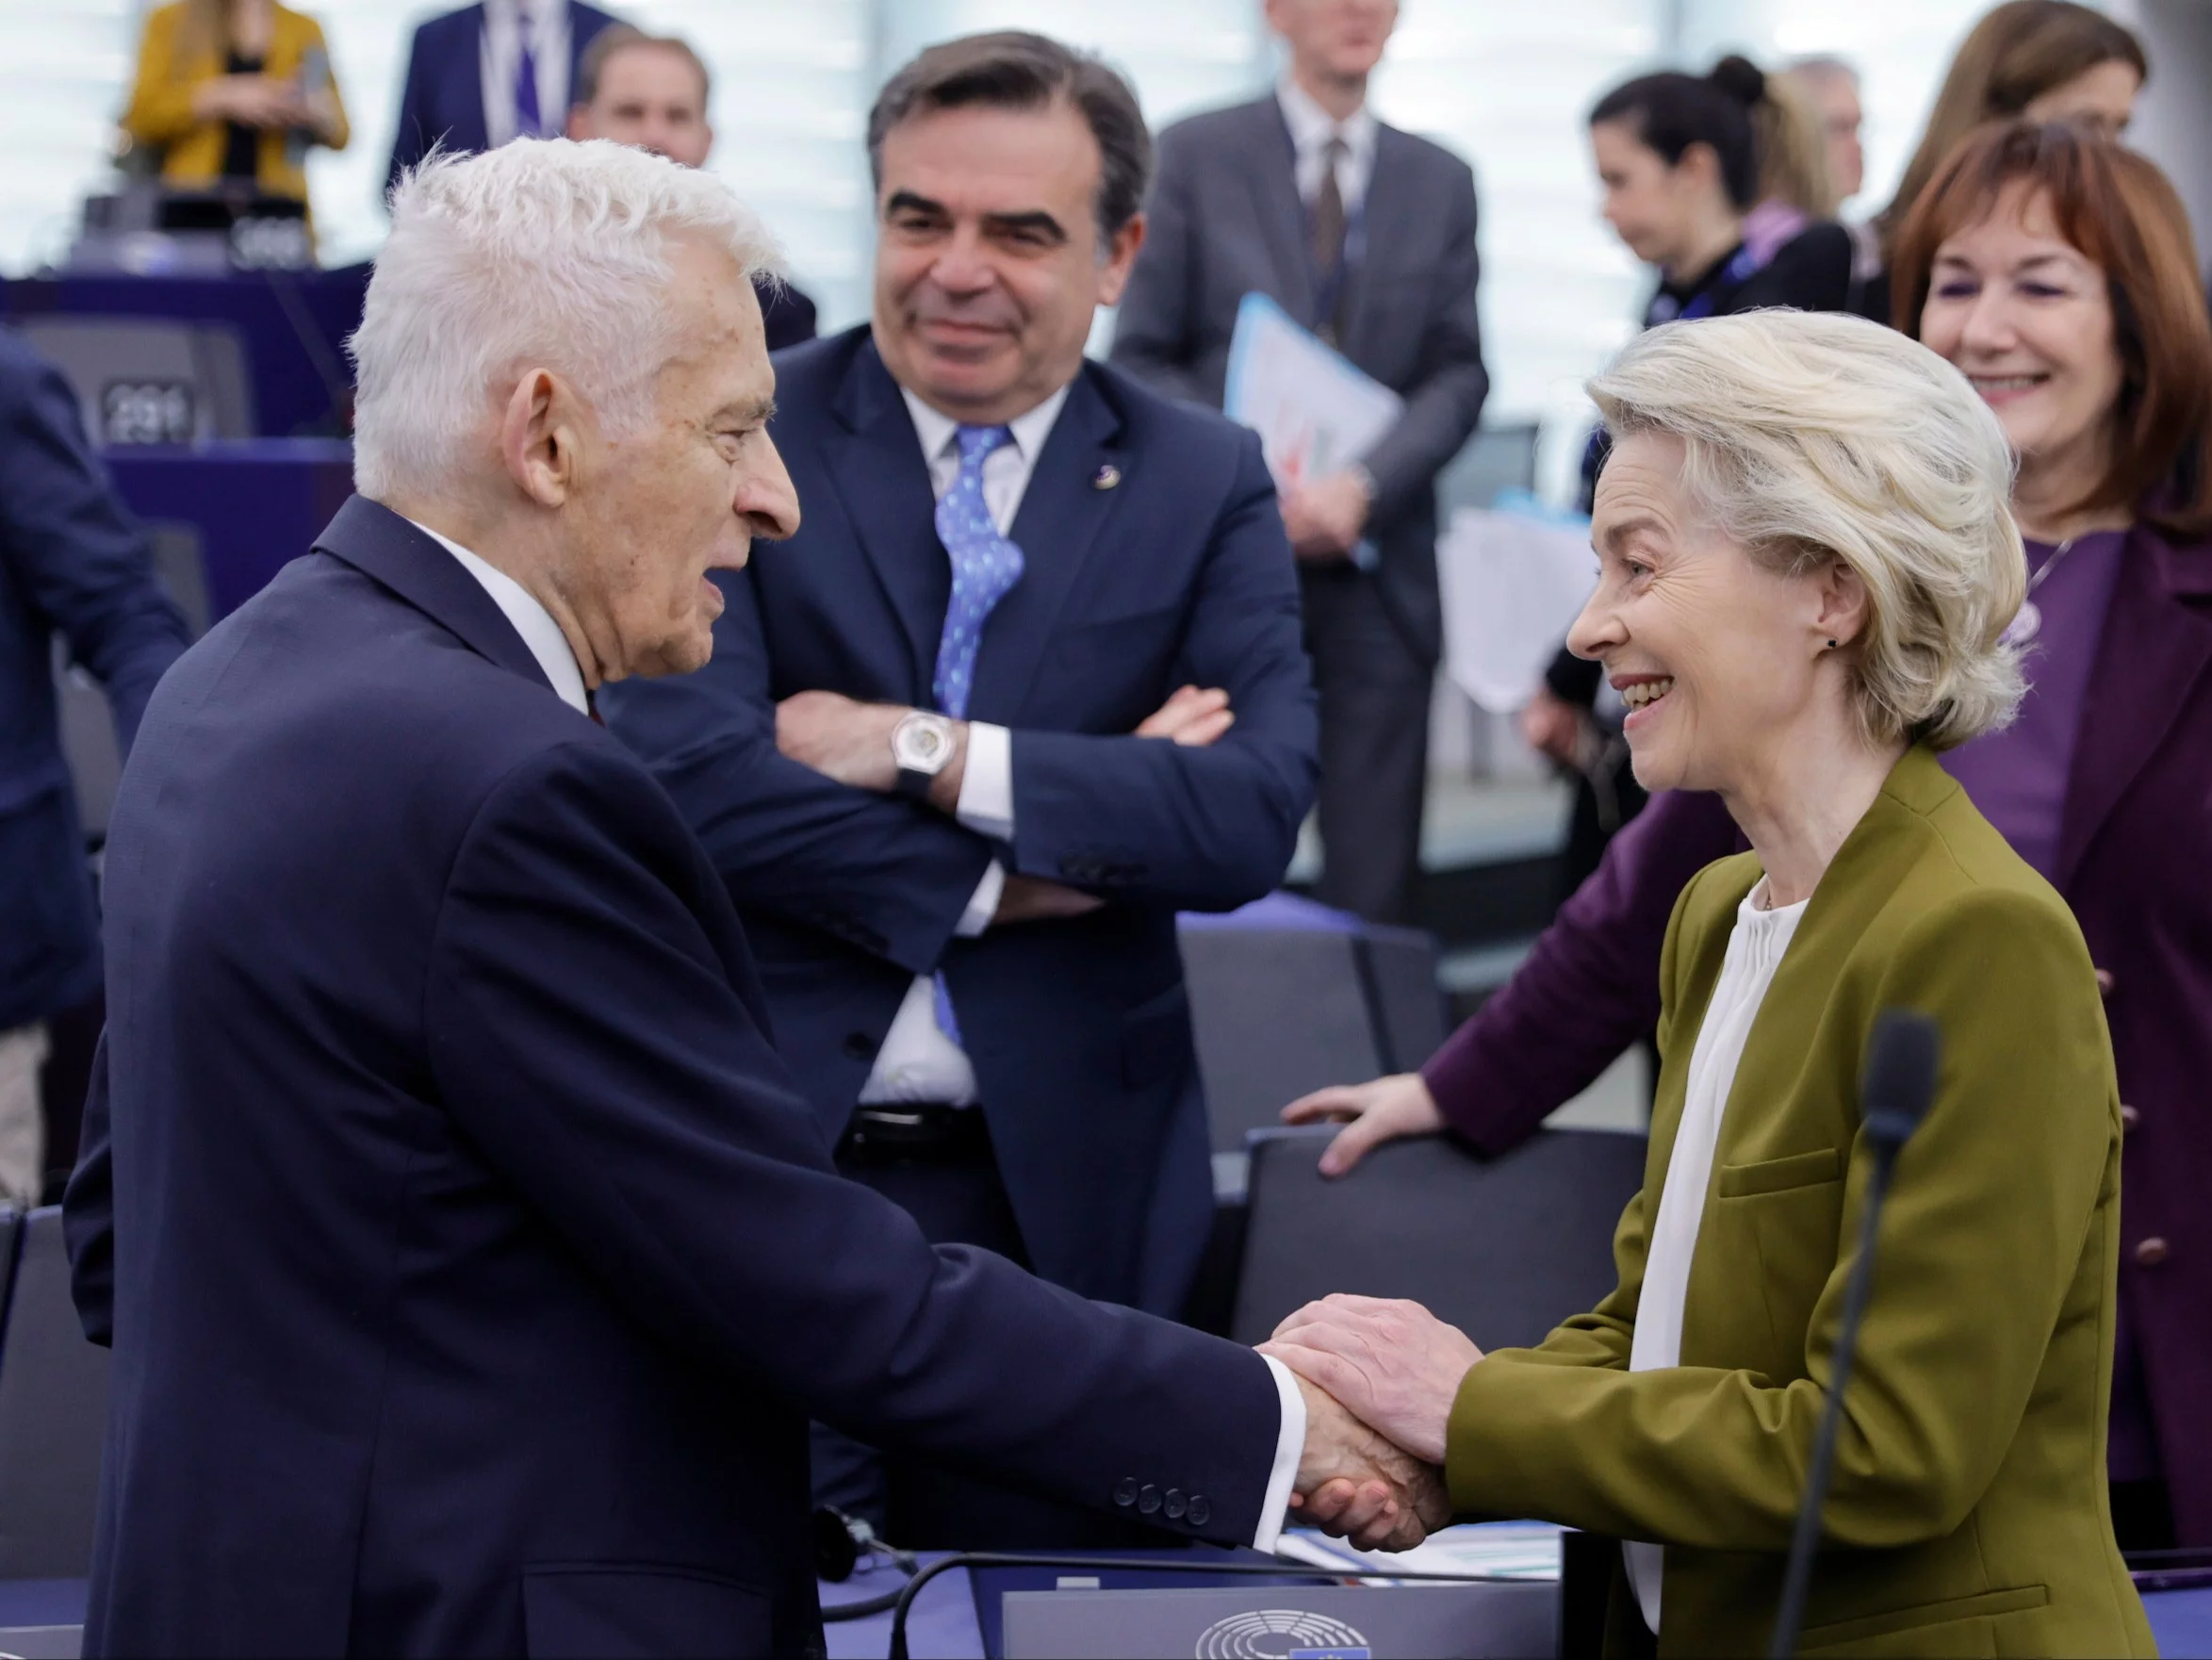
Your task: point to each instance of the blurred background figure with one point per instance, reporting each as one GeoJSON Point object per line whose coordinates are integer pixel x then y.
{"type": "Point", "coordinates": [231, 94]}
{"type": "Point", "coordinates": [653, 91]}
{"type": "Point", "coordinates": [1830, 87]}
{"type": "Point", "coordinates": [1720, 183]}
{"type": "Point", "coordinates": [484, 75]}
{"type": "Point", "coordinates": [1367, 235]}
{"type": "Point", "coordinates": [73, 567]}
{"type": "Point", "coordinates": [2044, 59]}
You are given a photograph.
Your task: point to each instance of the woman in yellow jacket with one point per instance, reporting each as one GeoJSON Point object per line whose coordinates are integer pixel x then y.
{"type": "Point", "coordinates": [224, 86]}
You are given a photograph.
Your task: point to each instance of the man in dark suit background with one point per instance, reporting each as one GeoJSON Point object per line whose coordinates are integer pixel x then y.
{"type": "Point", "coordinates": [1027, 682]}
{"type": "Point", "coordinates": [488, 73]}
{"type": "Point", "coordinates": [654, 91]}
{"type": "Point", "coordinates": [471, 1263]}
{"type": "Point", "coordinates": [1367, 235]}
{"type": "Point", "coordinates": [72, 565]}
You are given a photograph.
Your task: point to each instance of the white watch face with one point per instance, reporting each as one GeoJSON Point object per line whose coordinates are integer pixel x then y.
{"type": "Point", "coordinates": [922, 742]}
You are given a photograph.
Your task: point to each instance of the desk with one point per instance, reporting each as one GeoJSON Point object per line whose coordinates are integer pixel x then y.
{"type": "Point", "coordinates": [256, 504]}
{"type": "Point", "coordinates": [293, 325]}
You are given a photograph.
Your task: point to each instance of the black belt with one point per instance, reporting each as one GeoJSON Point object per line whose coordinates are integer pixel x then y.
{"type": "Point", "coordinates": [926, 1130]}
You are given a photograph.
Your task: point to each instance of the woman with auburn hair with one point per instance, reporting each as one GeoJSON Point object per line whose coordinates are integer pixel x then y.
{"type": "Point", "coordinates": [2056, 270]}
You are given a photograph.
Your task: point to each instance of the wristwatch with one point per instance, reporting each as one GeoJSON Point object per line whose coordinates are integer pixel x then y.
{"type": "Point", "coordinates": [921, 746]}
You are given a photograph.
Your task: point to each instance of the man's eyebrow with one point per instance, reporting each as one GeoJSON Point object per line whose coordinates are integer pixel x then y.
{"type": "Point", "coordinates": [1035, 220]}
{"type": "Point", "coordinates": [907, 201]}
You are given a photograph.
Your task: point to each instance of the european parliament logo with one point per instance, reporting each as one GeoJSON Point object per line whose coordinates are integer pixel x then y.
{"type": "Point", "coordinates": [1281, 1634]}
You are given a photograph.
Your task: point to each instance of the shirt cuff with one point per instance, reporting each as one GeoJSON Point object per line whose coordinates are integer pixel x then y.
{"type": "Point", "coordinates": [983, 903]}
{"type": "Point", "coordinates": [987, 788]}
{"type": "Point", "coordinates": [1289, 1450]}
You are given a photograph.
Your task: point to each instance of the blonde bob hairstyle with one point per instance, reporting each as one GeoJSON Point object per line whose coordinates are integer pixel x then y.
{"type": "Point", "coordinates": [1814, 437]}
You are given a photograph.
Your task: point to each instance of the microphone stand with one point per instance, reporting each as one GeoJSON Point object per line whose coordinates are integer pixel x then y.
{"type": "Point", "coordinates": [1901, 1069]}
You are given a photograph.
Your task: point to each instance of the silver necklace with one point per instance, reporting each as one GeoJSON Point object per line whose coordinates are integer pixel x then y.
{"type": "Point", "coordinates": [2027, 622]}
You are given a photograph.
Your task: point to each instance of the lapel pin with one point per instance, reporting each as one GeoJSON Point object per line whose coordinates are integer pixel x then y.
{"type": "Point", "coordinates": [1107, 477]}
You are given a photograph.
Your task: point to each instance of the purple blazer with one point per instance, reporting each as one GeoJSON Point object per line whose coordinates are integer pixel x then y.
{"type": "Point", "coordinates": [2134, 862]}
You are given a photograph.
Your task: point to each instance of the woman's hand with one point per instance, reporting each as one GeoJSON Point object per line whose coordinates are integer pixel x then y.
{"type": "Point", "coordinates": [1392, 1364]}
{"type": "Point", "coordinates": [1380, 1111]}
{"type": "Point", "coordinates": [252, 101]}
{"type": "Point", "coordinates": [1552, 725]}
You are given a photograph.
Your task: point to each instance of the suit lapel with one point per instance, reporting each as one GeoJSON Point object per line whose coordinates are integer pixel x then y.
{"type": "Point", "coordinates": [1061, 514]}
{"type": "Point", "coordinates": [379, 543]}
{"type": "Point", "coordinates": [2155, 647]}
{"type": "Point", "coordinates": [883, 481]}
{"type": "Point", "coordinates": [1388, 223]}
{"type": "Point", "coordinates": [1271, 170]}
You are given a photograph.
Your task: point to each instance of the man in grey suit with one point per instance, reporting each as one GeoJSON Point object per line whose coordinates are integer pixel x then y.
{"type": "Point", "coordinates": [1367, 235]}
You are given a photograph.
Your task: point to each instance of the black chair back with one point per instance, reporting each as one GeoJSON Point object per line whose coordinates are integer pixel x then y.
{"type": "Point", "coordinates": [1503, 1248]}
{"type": "Point", "coordinates": [53, 1415]}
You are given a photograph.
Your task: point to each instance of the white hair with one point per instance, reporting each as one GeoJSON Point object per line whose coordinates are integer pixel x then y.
{"type": "Point", "coordinates": [541, 253]}
{"type": "Point", "coordinates": [1815, 436]}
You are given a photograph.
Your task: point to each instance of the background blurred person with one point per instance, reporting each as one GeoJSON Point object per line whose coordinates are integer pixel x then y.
{"type": "Point", "coordinates": [1795, 188]}
{"type": "Point", "coordinates": [2038, 60]}
{"type": "Point", "coordinates": [73, 566]}
{"type": "Point", "coordinates": [2058, 271]}
{"type": "Point", "coordinates": [1807, 569]}
{"type": "Point", "coordinates": [1366, 235]}
{"type": "Point", "coordinates": [1681, 165]}
{"type": "Point", "coordinates": [1025, 684]}
{"type": "Point", "coordinates": [488, 73]}
{"type": "Point", "coordinates": [1830, 86]}
{"type": "Point", "coordinates": [653, 91]}
{"type": "Point", "coordinates": [227, 89]}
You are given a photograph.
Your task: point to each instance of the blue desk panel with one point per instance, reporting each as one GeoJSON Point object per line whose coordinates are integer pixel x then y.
{"type": "Point", "coordinates": [256, 505]}
{"type": "Point", "coordinates": [293, 325]}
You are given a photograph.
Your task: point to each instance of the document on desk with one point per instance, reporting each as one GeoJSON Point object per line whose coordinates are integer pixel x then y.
{"type": "Point", "coordinates": [1489, 1549]}
{"type": "Point", "coordinates": [1314, 411]}
{"type": "Point", "coordinates": [1513, 579]}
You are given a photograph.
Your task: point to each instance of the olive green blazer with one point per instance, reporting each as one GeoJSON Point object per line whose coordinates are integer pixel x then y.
{"type": "Point", "coordinates": [1968, 1514]}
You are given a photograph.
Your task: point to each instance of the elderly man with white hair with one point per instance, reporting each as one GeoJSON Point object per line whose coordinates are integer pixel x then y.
{"type": "Point", "coordinates": [471, 1264]}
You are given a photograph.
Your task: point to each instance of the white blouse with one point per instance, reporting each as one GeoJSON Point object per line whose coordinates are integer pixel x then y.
{"type": "Point", "coordinates": [1756, 946]}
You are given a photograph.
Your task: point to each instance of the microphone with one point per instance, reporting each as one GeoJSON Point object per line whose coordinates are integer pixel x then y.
{"type": "Point", "coordinates": [1901, 1063]}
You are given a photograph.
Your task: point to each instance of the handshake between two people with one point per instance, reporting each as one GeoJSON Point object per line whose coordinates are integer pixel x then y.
{"type": "Point", "coordinates": [850, 742]}
{"type": "Point", "coordinates": [1379, 1377]}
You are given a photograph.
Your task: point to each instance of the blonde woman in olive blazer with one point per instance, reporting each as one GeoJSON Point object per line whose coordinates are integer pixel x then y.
{"type": "Point", "coordinates": [1807, 564]}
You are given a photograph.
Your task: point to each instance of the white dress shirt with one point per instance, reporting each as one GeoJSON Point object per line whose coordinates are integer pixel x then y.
{"type": "Point", "coordinates": [1311, 129]}
{"type": "Point", "coordinates": [549, 646]}
{"type": "Point", "coordinates": [917, 1062]}
{"type": "Point", "coordinates": [532, 621]}
{"type": "Point", "coordinates": [1756, 947]}
{"type": "Point", "coordinates": [499, 50]}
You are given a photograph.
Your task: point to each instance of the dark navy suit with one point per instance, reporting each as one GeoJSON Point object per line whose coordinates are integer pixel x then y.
{"type": "Point", "coordinates": [444, 96]}
{"type": "Point", "coordinates": [471, 1263]}
{"type": "Point", "coordinates": [71, 564]}
{"type": "Point", "coordinates": [1176, 570]}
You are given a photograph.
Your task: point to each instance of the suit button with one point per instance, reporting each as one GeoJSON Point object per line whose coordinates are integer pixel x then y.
{"type": "Point", "coordinates": [1126, 1491]}
{"type": "Point", "coordinates": [1148, 1500]}
{"type": "Point", "coordinates": [1176, 1505]}
{"type": "Point", "coordinates": [2150, 1253]}
{"type": "Point", "coordinates": [1201, 1511]}
{"type": "Point", "coordinates": [859, 1046]}
{"type": "Point", "coordinates": [2129, 1117]}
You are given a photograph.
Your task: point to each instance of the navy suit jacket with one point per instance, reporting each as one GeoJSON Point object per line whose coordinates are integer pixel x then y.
{"type": "Point", "coordinates": [1154, 557]}
{"type": "Point", "coordinates": [444, 96]}
{"type": "Point", "coordinates": [71, 564]}
{"type": "Point", "coordinates": [471, 1263]}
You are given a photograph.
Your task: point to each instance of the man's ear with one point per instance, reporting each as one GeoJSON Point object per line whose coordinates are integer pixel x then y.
{"type": "Point", "coordinates": [538, 436]}
{"type": "Point", "coordinates": [1113, 272]}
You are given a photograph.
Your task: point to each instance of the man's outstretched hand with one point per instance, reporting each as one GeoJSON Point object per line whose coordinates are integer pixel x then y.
{"type": "Point", "coordinates": [1355, 1483]}
{"type": "Point", "coordinates": [1393, 1363]}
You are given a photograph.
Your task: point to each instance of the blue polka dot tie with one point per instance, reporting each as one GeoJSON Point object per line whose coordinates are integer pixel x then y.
{"type": "Point", "coordinates": [985, 566]}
